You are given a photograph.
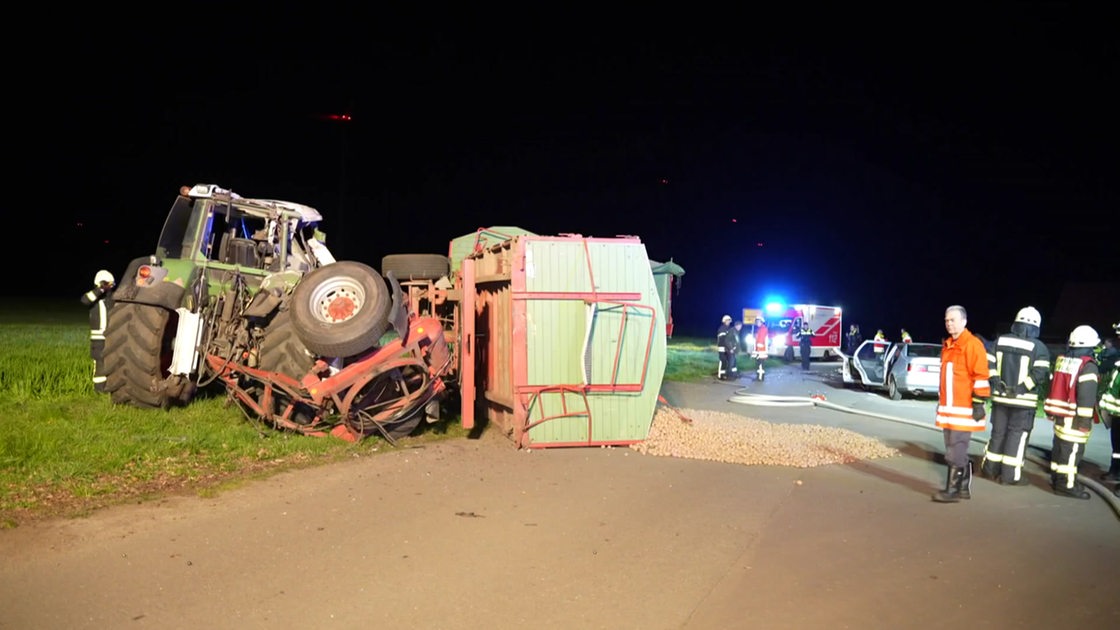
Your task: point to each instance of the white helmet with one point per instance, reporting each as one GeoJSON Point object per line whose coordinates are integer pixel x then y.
{"type": "Point", "coordinates": [1083, 337]}
{"type": "Point", "coordinates": [1029, 315]}
{"type": "Point", "coordinates": [103, 276]}
{"type": "Point", "coordinates": [727, 319]}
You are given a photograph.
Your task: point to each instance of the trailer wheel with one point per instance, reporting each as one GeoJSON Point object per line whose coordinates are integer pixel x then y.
{"type": "Point", "coordinates": [139, 341]}
{"type": "Point", "coordinates": [415, 266]}
{"type": "Point", "coordinates": [341, 309]}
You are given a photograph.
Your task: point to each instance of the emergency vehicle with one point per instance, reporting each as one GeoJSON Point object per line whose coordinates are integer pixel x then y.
{"type": "Point", "coordinates": [784, 321]}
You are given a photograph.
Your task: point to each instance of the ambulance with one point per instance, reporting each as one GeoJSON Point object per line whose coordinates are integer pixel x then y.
{"type": "Point", "coordinates": [784, 322]}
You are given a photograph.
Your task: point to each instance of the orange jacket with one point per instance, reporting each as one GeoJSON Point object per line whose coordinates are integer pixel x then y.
{"type": "Point", "coordinates": [761, 336]}
{"type": "Point", "coordinates": [964, 377]}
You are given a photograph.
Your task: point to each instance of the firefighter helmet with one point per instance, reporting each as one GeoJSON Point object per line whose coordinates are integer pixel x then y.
{"type": "Point", "coordinates": [102, 277]}
{"type": "Point", "coordinates": [727, 319]}
{"type": "Point", "coordinates": [1083, 337]}
{"type": "Point", "coordinates": [1029, 315]}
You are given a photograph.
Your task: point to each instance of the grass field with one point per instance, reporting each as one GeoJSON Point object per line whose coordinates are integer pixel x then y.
{"type": "Point", "coordinates": [66, 450]}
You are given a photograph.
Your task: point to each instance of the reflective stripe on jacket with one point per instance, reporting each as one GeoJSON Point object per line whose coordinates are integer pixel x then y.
{"type": "Point", "coordinates": [964, 377]}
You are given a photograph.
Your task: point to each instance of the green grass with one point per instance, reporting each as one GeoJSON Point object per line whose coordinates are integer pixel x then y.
{"type": "Point", "coordinates": [66, 450]}
{"type": "Point", "coordinates": [690, 359]}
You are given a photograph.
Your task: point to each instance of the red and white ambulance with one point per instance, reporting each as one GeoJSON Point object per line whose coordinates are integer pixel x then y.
{"type": "Point", "coordinates": [784, 322]}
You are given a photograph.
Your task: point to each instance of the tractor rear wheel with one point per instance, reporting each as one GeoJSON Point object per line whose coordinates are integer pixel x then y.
{"type": "Point", "coordinates": [139, 341]}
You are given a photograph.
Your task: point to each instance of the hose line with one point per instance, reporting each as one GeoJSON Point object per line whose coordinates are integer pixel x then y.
{"type": "Point", "coordinates": [744, 397]}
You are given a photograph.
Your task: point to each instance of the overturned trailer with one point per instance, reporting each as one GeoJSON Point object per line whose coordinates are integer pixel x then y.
{"type": "Point", "coordinates": [557, 341]}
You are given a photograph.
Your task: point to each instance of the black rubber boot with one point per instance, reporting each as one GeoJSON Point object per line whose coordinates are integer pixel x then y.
{"type": "Point", "coordinates": [990, 470]}
{"type": "Point", "coordinates": [1078, 491]}
{"type": "Point", "coordinates": [952, 491]}
{"type": "Point", "coordinates": [966, 482]}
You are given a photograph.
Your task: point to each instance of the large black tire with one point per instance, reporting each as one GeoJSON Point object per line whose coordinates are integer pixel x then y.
{"type": "Point", "coordinates": [415, 266]}
{"type": "Point", "coordinates": [283, 352]}
{"type": "Point", "coordinates": [789, 354]}
{"type": "Point", "coordinates": [139, 341]}
{"type": "Point", "coordinates": [281, 348]}
{"type": "Point", "coordinates": [341, 309]}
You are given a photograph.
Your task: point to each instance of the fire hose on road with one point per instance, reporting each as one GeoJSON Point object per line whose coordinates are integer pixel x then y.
{"type": "Point", "coordinates": [767, 400]}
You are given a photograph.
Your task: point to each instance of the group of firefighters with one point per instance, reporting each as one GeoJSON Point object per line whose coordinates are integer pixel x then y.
{"type": "Point", "coordinates": [1082, 385]}
{"type": "Point", "coordinates": [727, 342]}
{"type": "Point", "coordinates": [1082, 388]}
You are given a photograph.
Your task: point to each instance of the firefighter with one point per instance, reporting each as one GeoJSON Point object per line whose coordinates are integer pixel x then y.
{"type": "Point", "coordinates": [962, 393]}
{"type": "Point", "coordinates": [99, 299]}
{"type": "Point", "coordinates": [723, 334]}
{"type": "Point", "coordinates": [805, 344]}
{"type": "Point", "coordinates": [1110, 414]}
{"type": "Point", "coordinates": [761, 340]}
{"type": "Point", "coordinates": [906, 338]}
{"type": "Point", "coordinates": [880, 342]}
{"type": "Point", "coordinates": [1018, 368]}
{"type": "Point", "coordinates": [1071, 405]}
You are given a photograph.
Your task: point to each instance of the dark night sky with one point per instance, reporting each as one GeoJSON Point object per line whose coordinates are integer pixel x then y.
{"type": "Point", "coordinates": [894, 163]}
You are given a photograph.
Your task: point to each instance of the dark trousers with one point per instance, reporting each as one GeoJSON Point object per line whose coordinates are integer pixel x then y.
{"type": "Point", "coordinates": [729, 364]}
{"type": "Point", "coordinates": [1007, 448]}
{"type": "Point", "coordinates": [806, 355]}
{"type": "Point", "coordinates": [1065, 457]}
{"type": "Point", "coordinates": [956, 447]}
{"type": "Point", "coordinates": [96, 352]}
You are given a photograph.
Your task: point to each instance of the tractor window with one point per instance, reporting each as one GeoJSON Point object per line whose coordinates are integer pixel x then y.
{"type": "Point", "coordinates": [176, 230]}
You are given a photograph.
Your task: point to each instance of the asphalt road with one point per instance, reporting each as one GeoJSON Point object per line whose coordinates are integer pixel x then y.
{"type": "Point", "coordinates": [475, 534]}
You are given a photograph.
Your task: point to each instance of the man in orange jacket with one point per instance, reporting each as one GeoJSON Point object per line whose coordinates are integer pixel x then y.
{"type": "Point", "coordinates": [960, 406]}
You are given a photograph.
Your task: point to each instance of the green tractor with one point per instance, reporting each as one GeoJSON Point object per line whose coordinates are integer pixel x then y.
{"type": "Point", "coordinates": [245, 292]}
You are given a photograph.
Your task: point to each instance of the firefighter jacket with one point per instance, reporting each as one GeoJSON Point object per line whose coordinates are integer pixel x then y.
{"type": "Point", "coordinates": [761, 338]}
{"type": "Point", "coordinates": [731, 340]}
{"type": "Point", "coordinates": [1110, 399]}
{"type": "Point", "coordinates": [1017, 368]}
{"type": "Point", "coordinates": [964, 381]}
{"type": "Point", "coordinates": [1073, 396]}
{"type": "Point", "coordinates": [726, 338]}
{"type": "Point", "coordinates": [100, 300]}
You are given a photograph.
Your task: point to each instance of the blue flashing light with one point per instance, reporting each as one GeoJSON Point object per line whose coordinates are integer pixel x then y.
{"type": "Point", "coordinates": [775, 307]}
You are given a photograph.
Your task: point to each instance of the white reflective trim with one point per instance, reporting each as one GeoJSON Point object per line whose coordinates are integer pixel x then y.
{"type": "Point", "coordinates": [1015, 342]}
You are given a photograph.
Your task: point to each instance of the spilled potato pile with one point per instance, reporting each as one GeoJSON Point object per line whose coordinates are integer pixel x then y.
{"type": "Point", "coordinates": [726, 437]}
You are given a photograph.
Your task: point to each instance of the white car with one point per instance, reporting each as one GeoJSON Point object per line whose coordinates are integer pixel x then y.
{"type": "Point", "coordinates": [896, 368]}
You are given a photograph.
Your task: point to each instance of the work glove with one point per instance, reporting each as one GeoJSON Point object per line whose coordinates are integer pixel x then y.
{"type": "Point", "coordinates": [977, 411]}
{"type": "Point", "coordinates": [1020, 389]}
{"type": "Point", "coordinates": [998, 388]}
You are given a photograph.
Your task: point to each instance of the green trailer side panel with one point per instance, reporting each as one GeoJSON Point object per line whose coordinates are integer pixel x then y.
{"type": "Point", "coordinates": [575, 337]}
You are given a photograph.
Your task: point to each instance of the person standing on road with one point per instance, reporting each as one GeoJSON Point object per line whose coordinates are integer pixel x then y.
{"type": "Point", "coordinates": [960, 406]}
{"type": "Point", "coordinates": [99, 299]}
{"type": "Point", "coordinates": [1017, 370]}
{"type": "Point", "coordinates": [1109, 406]}
{"type": "Point", "coordinates": [854, 338]}
{"type": "Point", "coordinates": [723, 341]}
{"type": "Point", "coordinates": [880, 343]}
{"type": "Point", "coordinates": [1071, 405]}
{"type": "Point", "coordinates": [761, 341]}
{"type": "Point", "coordinates": [805, 345]}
